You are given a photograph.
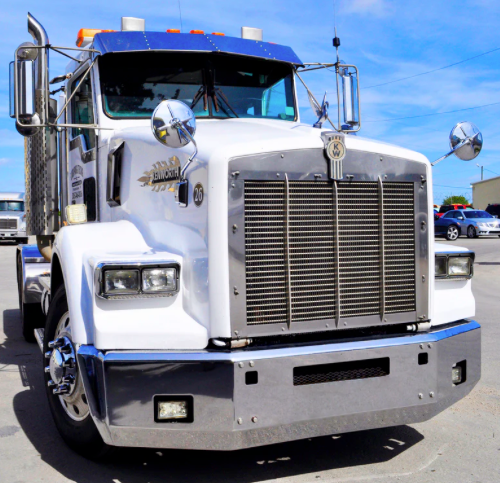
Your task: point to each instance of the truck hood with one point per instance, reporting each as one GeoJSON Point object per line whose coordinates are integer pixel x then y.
{"type": "Point", "coordinates": [12, 214]}
{"type": "Point", "coordinates": [238, 137]}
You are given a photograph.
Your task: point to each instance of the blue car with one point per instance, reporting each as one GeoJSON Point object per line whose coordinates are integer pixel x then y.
{"type": "Point", "coordinates": [448, 225]}
{"type": "Point", "coordinates": [473, 223]}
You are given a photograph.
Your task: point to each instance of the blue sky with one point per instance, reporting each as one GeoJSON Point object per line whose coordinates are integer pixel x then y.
{"type": "Point", "coordinates": [386, 39]}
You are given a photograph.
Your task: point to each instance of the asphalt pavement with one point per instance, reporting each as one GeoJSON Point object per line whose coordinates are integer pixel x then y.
{"type": "Point", "coordinates": [460, 445]}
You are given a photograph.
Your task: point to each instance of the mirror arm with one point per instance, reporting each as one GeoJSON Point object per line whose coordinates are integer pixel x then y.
{"type": "Point", "coordinates": [186, 133]}
{"type": "Point", "coordinates": [456, 148]}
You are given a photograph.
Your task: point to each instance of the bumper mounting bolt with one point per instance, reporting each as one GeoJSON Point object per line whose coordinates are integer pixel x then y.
{"type": "Point", "coordinates": [240, 421]}
{"type": "Point", "coordinates": [240, 364]}
{"type": "Point", "coordinates": [429, 346]}
{"type": "Point", "coordinates": [251, 363]}
{"type": "Point", "coordinates": [254, 419]}
{"type": "Point", "coordinates": [421, 346]}
{"type": "Point", "coordinates": [431, 394]}
{"type": "Point", "coordinates": [420, 395]}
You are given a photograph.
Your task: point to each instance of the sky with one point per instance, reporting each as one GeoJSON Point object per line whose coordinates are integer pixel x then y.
{"type": "Point", "coordinates": [387, 40]}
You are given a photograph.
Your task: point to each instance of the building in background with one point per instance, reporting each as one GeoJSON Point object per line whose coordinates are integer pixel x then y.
{"type": "Point", "coordinates": [485, 192]}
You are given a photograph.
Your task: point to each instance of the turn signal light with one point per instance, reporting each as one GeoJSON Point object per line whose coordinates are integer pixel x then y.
{"type": "Point", "coordinates": [85, 36]}
{"type": "Point", "coordinates": [173, 31]}
{"type": "Point", "coordinates": [197, 32]}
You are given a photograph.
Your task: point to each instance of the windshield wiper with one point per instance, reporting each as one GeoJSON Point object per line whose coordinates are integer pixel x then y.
{"type": "Point", "coordinates": [218, 92]}
{"type": "Point", "coordinates": [202, 92]}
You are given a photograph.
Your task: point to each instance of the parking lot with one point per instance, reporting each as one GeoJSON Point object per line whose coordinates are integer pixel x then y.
{"type": "Point", "coordinates": [461, 444]}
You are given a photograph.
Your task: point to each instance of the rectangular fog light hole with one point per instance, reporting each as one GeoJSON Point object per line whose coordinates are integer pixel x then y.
{"type": "Point", "coordinates": [423, 358]}
{"type": "Point", "coordinates": [459, 373]}
{"type": "Point", "coordinates": [173, 409]}
{"type": "Point", "coordinates": [251, 377]}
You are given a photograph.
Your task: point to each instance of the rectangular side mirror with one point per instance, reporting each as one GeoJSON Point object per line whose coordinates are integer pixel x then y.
{"type": "Point", "coordinates": [350, 97]}
{"type": "Point", "coordinates": [24, 90]}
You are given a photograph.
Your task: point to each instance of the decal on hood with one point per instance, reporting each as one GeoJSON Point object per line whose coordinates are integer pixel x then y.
{"type": "Point", "coordinates": [165, 174]}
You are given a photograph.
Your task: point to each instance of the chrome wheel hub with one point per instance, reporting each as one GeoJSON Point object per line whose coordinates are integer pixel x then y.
{"type": "Point", "coordinates": [64, 375]}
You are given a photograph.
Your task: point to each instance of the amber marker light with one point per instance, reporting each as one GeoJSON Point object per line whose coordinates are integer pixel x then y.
{"type": "Point", "coordinates": [197, 32]}
{"type": "Point", "coordinates": [173, 31]}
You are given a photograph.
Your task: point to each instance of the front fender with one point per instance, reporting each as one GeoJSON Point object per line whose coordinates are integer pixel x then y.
{"type": "Point", "coordinates": [154, 323]}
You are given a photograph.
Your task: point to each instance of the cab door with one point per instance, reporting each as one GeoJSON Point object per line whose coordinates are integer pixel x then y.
{"type": "Point", "coordinates": [82, 169]}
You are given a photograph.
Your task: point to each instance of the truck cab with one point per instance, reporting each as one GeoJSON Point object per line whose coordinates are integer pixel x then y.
{"type": "Point", "coordinates": [219, 274]}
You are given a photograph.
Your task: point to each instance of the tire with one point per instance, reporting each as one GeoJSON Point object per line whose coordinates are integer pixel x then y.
{"type": "Point", "coordinates": [471, 232]}
{"type": "Point", "coordinates": [32, 316]}
{"type": "Point", "coordinates": [80, 434]}
{"type": "Point", "coordinates": [452, 233]}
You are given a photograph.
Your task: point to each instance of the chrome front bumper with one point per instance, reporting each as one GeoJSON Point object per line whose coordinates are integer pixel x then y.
{"type": "Point", "coordinates": [229, 414]}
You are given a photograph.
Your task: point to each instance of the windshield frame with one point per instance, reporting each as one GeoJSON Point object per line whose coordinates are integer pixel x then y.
{"type": "Point", "coordinates": [210, 116]}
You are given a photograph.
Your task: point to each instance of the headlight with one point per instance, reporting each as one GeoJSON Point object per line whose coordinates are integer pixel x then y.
{"type": "Point", "coordinates": [120, 282]}
{"type": "Point", "coordinates": [159, 280]}
{"type": "Point", "coordinates": [454, 266]}
{"type": "Point", "coordinates": [125, 280]}
{"type": "Point", "coordinates": [483, 225]}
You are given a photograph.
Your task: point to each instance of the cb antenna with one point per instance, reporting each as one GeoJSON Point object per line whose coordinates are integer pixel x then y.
{"type": "Point", "coordinates": [336, 40]}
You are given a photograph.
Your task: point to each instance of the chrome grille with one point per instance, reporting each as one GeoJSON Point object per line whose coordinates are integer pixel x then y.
{"type": "Point", "coordinates": [8, 224]}
{"type": "Point", "coordinates": [328, 250]}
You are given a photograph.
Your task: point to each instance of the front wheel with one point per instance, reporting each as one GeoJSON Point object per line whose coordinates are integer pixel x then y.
{"type": "Point", "coordinates": [471, 232]}
{"type": "Point", "coordinates": [452, 233]}
{"type": "Point", "coordinates": [65, 392]}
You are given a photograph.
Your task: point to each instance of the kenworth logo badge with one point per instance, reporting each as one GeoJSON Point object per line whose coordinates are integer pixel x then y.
{"type": "Point", "coordinates": [336, 151]}
{"type": "Point", "coordinates": [165, 174]}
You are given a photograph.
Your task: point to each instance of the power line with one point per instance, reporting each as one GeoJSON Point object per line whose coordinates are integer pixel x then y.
{"type": "Point", "coordinates": [486, 169]}
{"type": "Point", "coordinates": [454, 187]}
{"type": "Point", "coordinates": [433, 113]}
{"type": "Point", "coordinates": [433, 70]}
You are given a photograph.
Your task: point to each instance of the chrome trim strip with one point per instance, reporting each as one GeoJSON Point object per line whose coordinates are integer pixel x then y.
{"type": "Point", "coordinates": [287, 252]}
{"type": "Point", "coordinates": [337, 254]}
{"type": "Point", "coordinates": [382, 247]}
{"type": "Point", "coordinates": [241, 356]}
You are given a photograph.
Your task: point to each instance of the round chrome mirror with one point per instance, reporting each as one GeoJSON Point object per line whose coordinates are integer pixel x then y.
{"type": "Point", "coordinates": [173, 123]}
{"type": "Point", "coordinates": [466, 140]}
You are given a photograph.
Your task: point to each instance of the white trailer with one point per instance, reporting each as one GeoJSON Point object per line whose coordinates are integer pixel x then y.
{"type": "Point", "coordinates": [216, 274]}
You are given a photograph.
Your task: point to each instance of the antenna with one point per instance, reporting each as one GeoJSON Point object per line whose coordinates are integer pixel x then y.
{"type": "Point", "coordinates": [180, 12]}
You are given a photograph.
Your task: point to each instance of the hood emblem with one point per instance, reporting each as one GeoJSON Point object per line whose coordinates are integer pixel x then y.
{"type": "Point", "coordinates": [165, 174]}
{"type": "Point", "coordinates": [335, 150]}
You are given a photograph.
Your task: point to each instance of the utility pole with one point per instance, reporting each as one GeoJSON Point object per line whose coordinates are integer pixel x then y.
{"type": "Point", "coordinates": [481, 170]}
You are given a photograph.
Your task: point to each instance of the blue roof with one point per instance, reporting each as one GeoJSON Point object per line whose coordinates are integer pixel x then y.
{"type": "Point", "coordinates": [108, 42]}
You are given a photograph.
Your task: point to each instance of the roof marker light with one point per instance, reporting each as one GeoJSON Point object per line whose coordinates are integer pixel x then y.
{"type": "Point", "coordinates": [197, 32]}
{"type": "Point", "coordinates": [173, 31]}
{"type": "Point", "coordinates": [85, 36]}
{"type": "Point", "coordinates": [218, 33]}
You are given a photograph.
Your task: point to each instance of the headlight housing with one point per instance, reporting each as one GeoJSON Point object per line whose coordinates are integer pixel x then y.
{"type": "Point", "coordinates": [136, 280]}
{"type": "Point", "coordinates": [454, 266]}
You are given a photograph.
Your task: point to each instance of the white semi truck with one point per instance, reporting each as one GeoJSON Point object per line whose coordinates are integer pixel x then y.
{"type": "Point", "coordinates": [215, 274]}
{"type": "Point", "coordinates": [12, 217]}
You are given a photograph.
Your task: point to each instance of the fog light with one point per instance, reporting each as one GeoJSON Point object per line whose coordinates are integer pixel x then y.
{"type": "Point", "coordinates": [456, 375]}
{"type": "Point", "coordinates": [174, 409]}
{"type": "Point", "coordinates": [159, 280]}
{"type": "Point", "coordinates": [118, 282]}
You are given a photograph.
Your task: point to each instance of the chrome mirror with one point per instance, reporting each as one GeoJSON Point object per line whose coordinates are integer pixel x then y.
{"type": "Point", "coordinates": [173, 123]}
{"type": "Point", "coordinates": [466, 141]}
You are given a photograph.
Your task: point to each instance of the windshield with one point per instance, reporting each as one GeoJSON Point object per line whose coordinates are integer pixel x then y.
{"type": "Point", "coordinates": [213, 85]}
{"type": "Point", "coordinates": [11, 205]}
{"type": "Point", "coordinates": [477, 214]}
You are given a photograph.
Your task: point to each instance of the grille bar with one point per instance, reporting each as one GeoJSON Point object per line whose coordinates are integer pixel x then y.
{"type": "Point", "coordinates": [317, 250]}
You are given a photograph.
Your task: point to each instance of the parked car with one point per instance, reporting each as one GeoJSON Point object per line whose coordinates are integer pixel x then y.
{"type": "Point", "coordinates": [493, 209]}
{"type": "Point", "coordinates": [448, 225]}
{"type": "Point", "coordinates": [477, 222]}
{"type": "Point", "coordinates": [445, 208]}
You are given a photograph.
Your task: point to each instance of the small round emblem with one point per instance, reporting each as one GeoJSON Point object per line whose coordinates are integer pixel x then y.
{"type": "Point", "coordinates": [336, 149]}
{"type": "Point", "coordinates": [198, 194]}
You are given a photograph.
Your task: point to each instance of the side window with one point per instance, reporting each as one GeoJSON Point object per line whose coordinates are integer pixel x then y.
{"type": "Point", "coordinates": [449, 214]}
{"type": "Point", "coordinates": [275, 103]}
{"type": "Point", "coordinates": [82, 110]}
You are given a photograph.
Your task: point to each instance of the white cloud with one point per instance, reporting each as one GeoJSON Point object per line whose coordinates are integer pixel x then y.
{"type": "Point", "coordinates": [5, 160]}
{"type": "Point", "coordinates": [379, 8]}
